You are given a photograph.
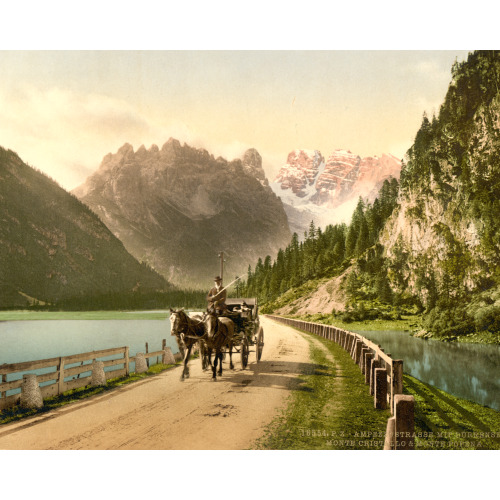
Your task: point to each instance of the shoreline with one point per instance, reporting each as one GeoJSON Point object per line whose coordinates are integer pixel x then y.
{"type": "Point", "coordinates": [408, 324]}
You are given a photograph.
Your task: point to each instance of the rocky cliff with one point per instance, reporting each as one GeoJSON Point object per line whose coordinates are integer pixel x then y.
{"type": "Point", "coordinates": [177, 207]}
{"type": "Point", "coordinates": [327, 191]}
{"type": "Point", "coordinates": [444, 237]}
{"type": "Point", "coordinates": [53, 247]}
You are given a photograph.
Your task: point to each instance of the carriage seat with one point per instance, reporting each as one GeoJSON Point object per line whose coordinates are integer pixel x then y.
{"type": "Point", "coordinates": [239, 315]}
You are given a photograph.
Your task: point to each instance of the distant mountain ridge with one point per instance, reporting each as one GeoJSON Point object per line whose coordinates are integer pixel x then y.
{"type": "Point", "coordinates": [327, 191]}
{"type": "Point", "coordinates": [177, 207]}
{"type": "Point", "coordinates": [53, 247]}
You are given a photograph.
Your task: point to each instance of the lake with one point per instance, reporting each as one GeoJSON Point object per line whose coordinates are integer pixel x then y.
{"type": "Point", "coordinates": [42, 339]}
{"type": "Point", "coordinates": [469, 371]}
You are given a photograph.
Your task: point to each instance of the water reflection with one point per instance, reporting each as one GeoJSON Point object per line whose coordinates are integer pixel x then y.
{"type": "Point", "coordinates": [469, 371]}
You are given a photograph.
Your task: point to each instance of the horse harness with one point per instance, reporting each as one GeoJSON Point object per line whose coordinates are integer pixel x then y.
{"type": "Point", "coordinates": [190, 333]}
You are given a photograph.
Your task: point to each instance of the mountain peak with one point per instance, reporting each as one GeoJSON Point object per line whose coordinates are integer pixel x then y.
{"type": "Point", "coordinates": [300, 171]}
{"type": "Point", "coordinates": [344, 175]}
{"type": "Point", "coordinates": [178, 208]}
{"type": "Point", "coordinates": [252, 164]}
{"type": "Point", "coordinates": [126, 149]}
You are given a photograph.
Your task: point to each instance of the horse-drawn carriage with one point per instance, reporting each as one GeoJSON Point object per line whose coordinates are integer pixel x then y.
{"type": "Point", "coordinates": [238, 328]}
{"type": "Point", "coordinates": [248, 333]}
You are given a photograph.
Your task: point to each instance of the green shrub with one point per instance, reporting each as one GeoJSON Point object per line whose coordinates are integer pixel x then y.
{"type": "Point", "coordinates": [488, 318]}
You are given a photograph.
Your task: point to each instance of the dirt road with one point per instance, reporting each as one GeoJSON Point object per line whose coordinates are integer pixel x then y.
{"type": "Point", "coordinates": [162, 412]}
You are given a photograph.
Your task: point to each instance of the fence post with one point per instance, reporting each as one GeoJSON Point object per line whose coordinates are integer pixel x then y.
{"type": "Point", "coordinates": [140, 363]}
{"type": "Point", "coordinates": [98, 376]}
{"type": "Point", "coordinates": [368, 367]}
{"type": "Point", "coordinates": [375, 364]}
{"type": "Point", "coordinates": [380, 400]}
{"type": "Point", "coordinates": [168, 357]}
{"type": "Point", "coordinates": [60, 380]}
{"type": "Point", "coordinates": [357, 351]}
{"type": "Point", "coordinates": [147, 351]}
{"type": "Point", "coordinates": [390, 434]}
{"type": "Point", "coordinates": [4, 379]}
{"type": "Point", "coordinates": [364, 352]}
{"type": "Point", "coordinates": [31, 395]}
{"type": "Point", "coordinates": [127, 361]}
{"type": "Point", "coordinates": [404, 408]}
{"type": "Point", "coordinates": [354, 342]}
{"type": "Point", "coordinates": [397, 377]}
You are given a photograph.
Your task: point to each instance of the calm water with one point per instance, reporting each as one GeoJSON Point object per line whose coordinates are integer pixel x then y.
{"type": "Point", "coordinates": [33, 340]}
{"type": "Point", "coordinates": [470, 371]}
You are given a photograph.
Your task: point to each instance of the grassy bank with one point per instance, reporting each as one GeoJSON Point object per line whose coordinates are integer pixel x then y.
{"type": "Point", "coordinates": [407, 323]}
{"type": "Point", "coordinates": [333, 410]}
{"type": "Point", "coordinates": [17, 413]}
{"type": "Point", "coordinates": [445, 422]}
{"type": "Point", "coordinates": [80, 315]}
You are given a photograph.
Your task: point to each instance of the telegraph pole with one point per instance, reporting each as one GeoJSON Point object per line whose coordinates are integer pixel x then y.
{"type": "Point", "coordinates": [221, 257]}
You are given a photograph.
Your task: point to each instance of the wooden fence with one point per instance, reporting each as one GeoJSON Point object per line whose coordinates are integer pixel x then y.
{"type": "Point", "coordinates": [383, 375]}
{"type": "Point", "coordinates": [64, 368]}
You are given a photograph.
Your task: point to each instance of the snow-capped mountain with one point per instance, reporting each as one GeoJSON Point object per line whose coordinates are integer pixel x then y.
{"type": "Point", "coordinates": [327, 191]}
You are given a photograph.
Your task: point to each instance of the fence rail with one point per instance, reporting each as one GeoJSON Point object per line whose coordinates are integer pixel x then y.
{"type": "Point", "coordinates": [62, 371]}
{"type": "Point", "coordinates": [383, 374]}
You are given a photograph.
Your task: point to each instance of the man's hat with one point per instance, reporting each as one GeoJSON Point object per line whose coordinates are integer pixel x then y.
{"type": "Point", "coordinates": [217, 278]}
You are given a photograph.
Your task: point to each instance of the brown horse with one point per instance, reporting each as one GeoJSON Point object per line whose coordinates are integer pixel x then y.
{"type": "Point", "coordinates": [187, 331]}
{"type": "Point", "coordinates": [219, 333]}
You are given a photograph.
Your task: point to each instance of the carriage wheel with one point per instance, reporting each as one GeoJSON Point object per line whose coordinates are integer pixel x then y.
{"type": "Point", "coordinates": [259, 346]}
{"type": "Point", "coordinates": [244, 353]}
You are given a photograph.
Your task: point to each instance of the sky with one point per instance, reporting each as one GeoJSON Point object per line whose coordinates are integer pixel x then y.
{"type": "Point", "coordinates": [62, 111]}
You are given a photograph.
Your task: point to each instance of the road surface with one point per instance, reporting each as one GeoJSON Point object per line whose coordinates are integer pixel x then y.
{"type": "Point", "coordinates": [161, 412]}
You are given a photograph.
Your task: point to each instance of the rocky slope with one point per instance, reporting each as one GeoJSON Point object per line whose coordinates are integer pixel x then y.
{"type": "Point", "coordinates": [53, 247]}
{"type": "Point", "coordinates": [177, 207]}
{"type": "Point", "coordinates": [327, 191]}
{"type": "Point", "coordinates": [445, 232]}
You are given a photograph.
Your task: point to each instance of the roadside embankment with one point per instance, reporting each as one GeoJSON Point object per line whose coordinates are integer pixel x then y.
{"type": "Point", "coordinates": [332, 410]}
{"type": "Point", "coordinates": [442, 421]}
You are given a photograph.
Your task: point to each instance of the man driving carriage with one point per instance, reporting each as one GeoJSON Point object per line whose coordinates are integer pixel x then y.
{"type": "Point", "coordinates": [217, 303]}
{"type": "Point", "coordinates": [217, 297]}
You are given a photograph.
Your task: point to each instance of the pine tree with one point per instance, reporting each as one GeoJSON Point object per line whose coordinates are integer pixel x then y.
{"type": "Point", "coordinates": [363, 239]}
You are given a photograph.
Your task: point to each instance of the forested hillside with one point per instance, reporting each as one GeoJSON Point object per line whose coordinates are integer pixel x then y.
{"type": "Point", "coordinates": [330, 252]}
{"type": "Point", "coordinates": [53, 247]}
{"type": "Point", "coordinates": [431, 245]}
{"type": "Point", "coordinates": [444, 236]}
